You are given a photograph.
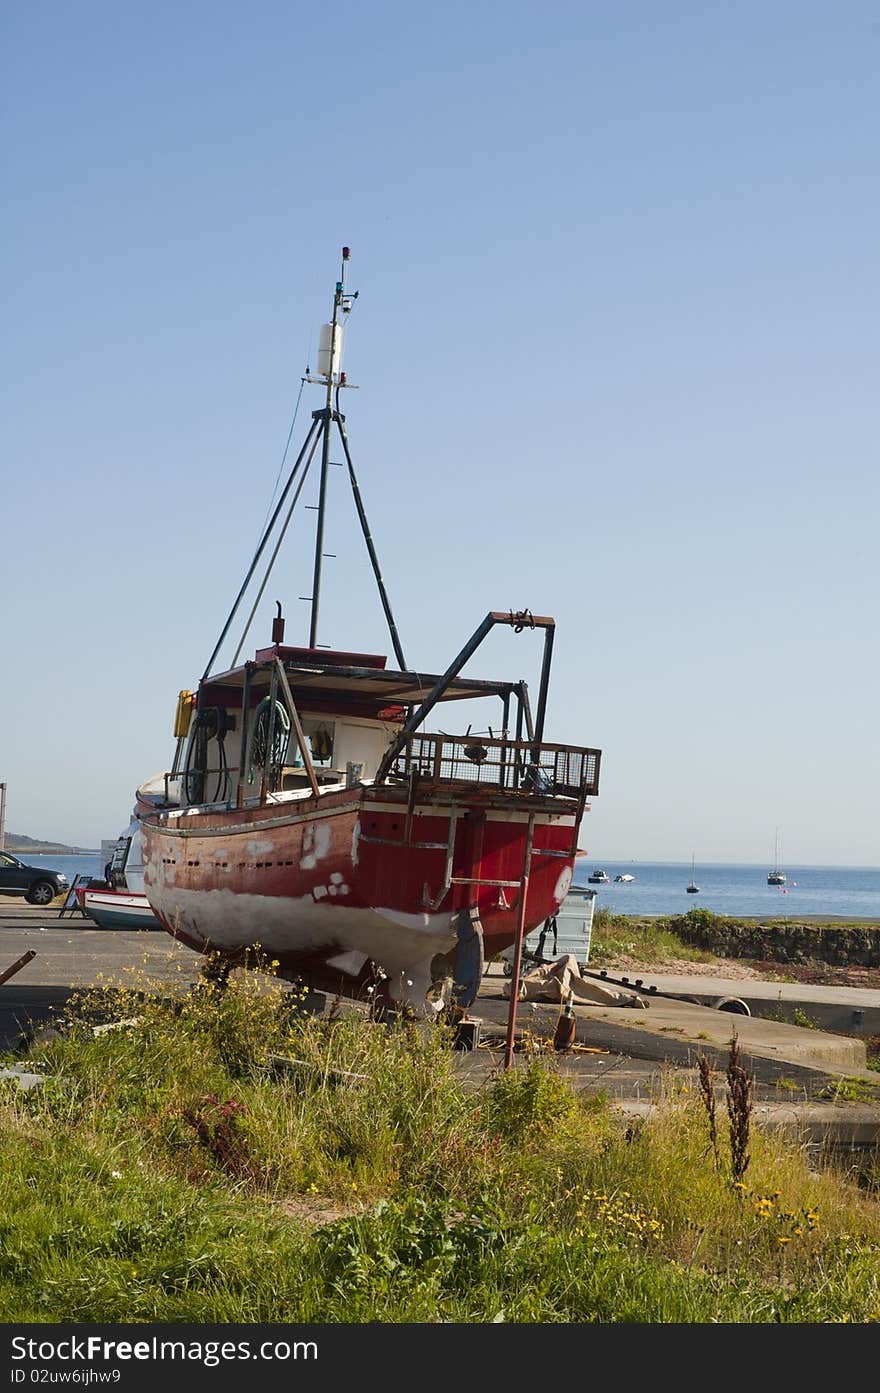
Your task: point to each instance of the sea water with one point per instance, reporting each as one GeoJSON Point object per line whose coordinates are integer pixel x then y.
{"type": "Point", "coordinates": [660, 887]}
{"type": "Point", "coordinates": [72, 866]}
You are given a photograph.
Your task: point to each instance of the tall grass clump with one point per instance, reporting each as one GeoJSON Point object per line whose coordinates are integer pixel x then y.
{"type": "Point", "coordinates": [648, 940]}
{"type": "Point", "coordinates": [222, 1154]}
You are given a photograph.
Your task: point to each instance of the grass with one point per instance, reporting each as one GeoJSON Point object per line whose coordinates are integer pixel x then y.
{"type": "Point", "coordinates": [796, 1016]}
{"type": "Point", "coordinates": [804, 1020]}
{"type": "Point", "coordinates": [169, 1170]}
{"type": "Point", "coordinates": [849, 1090]}
{"type": "Point", "coordinates": [649, 940]}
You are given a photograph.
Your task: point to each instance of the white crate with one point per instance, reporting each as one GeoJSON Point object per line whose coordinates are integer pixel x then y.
{"type": "Point", "coordinates": [574, 930]}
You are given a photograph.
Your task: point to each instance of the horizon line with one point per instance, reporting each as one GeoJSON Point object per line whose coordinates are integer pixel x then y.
{"type": "Point", "coordinates": [596, 861]}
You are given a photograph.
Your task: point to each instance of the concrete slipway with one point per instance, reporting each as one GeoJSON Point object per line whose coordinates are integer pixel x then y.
{"type": "Point", "coordinates": [810, 1081]}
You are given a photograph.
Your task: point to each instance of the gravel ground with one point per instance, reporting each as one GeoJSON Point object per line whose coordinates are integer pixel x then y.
{"type": "Point", "coordinates": [742, 969]}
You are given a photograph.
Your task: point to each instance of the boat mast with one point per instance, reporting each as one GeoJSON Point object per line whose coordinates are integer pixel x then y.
{"type": "Point", "coordinates": [319, 430]}
{"type": "Point", "coordinates": [327, 416]}
{"type": "Point", "coordinates": [325, 449]}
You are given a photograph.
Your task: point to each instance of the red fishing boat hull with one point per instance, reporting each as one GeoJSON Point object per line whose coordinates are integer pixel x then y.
{"type": "Point", "coordinates": [334, 889]}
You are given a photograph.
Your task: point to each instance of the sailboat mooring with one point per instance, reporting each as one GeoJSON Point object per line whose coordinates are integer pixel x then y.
{"type": "Point", "coordinates": [776, 876]}
{"type": "Point", "coordinates": [693, 888]}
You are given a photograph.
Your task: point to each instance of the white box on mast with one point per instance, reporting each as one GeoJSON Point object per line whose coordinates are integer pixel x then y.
{"type": "Point", "coordinates": [328, 362]}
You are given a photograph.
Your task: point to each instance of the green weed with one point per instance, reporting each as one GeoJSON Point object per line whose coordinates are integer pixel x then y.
{"type": "Point", "coordinates": [805, 1021]}
{"type": "Point", "coordinates": [225, 1156]}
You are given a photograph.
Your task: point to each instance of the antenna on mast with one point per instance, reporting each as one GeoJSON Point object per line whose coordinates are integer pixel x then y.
{"type": "Point", "coordinates": [330, 340]}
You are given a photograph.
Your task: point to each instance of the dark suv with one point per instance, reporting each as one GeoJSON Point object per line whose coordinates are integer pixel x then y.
{"type": "Point", "coordinates": [38, 885]}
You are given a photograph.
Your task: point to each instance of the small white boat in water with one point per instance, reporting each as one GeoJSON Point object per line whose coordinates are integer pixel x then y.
{"type": "Point", "coordinates": [623, 879]}
{"type": "Point", "coordinates": [599, 878]}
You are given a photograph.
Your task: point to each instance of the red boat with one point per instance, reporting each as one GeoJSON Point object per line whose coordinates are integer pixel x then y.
{"type": "Point", "coordinates": [311, 817]}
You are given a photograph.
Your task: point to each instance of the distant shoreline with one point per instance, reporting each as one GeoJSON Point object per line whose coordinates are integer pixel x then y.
{"type": "Point", "coordinates": [47, 849]}
{"type": "Point", "coordinates": [791, 867]}
{"type": "Point", "coordinates": [827, 919]}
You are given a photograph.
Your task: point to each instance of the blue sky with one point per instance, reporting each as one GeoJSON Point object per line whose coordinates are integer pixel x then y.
{"type": "Point", "coordinates": [616, 347]}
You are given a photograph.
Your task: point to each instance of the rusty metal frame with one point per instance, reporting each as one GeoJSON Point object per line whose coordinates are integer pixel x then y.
{"type": "Point", "coordinates": [424, 754]}
{"type": "Point", "coordinates": [434, 905]}
{"type": "Point", "coordinates": [518, 621]}
{"type": "Point", "coordinates": [578, 818]}
{"type": "Point", "coordinates": [410, 805]}
{"type": "Point", "coordinates": [297, 726]}
{"type": "Point", "coordinates": [518, 944]}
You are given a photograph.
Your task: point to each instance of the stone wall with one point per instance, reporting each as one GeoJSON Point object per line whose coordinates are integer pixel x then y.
{"type": "Point", "coordinates": [839, 945]}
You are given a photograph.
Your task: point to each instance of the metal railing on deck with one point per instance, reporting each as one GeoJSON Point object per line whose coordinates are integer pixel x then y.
{"type": "Point", "coordinates": [569, 771]}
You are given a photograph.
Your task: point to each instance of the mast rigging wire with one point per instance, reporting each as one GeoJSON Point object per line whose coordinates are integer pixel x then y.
{"type": "Point", "coordinates": [302, 383]}
{"type": "Point", "coordinates": [259, 596]}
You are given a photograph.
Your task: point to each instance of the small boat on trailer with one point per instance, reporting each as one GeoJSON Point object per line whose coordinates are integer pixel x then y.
{"type": "Point", "coordinates": [119, 902]}
{"type": "Point", "coordinates": [114, 909]}
{"type": "Point", "coordinates": [309, 816]}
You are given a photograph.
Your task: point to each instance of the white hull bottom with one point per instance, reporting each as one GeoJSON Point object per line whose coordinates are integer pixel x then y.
{"type": "Point", "coordinates": [119, 911]}
{"type": "Point", "coordinates": [403, 943]}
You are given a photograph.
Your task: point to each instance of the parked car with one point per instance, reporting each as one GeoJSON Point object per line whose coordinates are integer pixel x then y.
{"type": "Point", "coordinates": [38, 885]}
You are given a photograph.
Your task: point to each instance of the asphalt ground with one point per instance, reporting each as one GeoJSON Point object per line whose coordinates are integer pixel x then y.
{"type": "Point", "coordinates": [809, 1080]}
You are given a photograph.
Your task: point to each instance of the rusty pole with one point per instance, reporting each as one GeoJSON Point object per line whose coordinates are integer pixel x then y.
{"type": "Point", "coordinates": [518, 944]}
{"type": "Point", "coordinates": [17, 966]}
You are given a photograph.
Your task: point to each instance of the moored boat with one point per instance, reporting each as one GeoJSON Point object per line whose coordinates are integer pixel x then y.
{"type": "Point", "coordinates": [776, 876]}
{"type": "Point", "coordinates": [693, 888]}
{"type": "Point", "coordinates": [309, 815]}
